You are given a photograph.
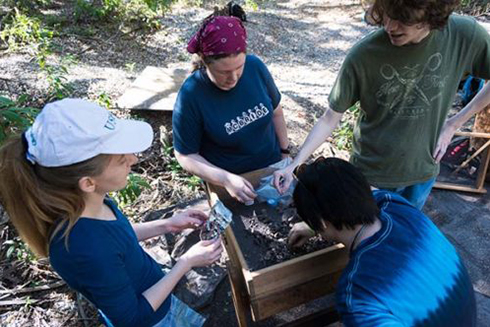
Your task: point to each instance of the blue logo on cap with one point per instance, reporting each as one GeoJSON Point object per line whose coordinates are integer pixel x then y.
{"type": "Point", "coordinates": [33, 139]}
{"type": "Point", "coordinates": [111, 122]}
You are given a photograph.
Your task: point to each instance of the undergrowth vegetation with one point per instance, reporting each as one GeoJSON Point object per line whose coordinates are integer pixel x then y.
{"type": "Point", "coordinates": [30, 27]}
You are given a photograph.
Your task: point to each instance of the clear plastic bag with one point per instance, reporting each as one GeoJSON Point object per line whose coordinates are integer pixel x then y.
{"type": "Point", "coordinates": [266, 192]}
{"type": "Point", "coordinates": [219, 218]}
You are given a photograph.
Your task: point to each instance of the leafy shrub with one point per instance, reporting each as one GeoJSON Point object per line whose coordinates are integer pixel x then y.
{"type": "Point", "coordinates": [136, 184]}
{"type": "Point", "coordinates": [14, 116]}
{"type": "Point", "coordinates": [474, 7]}
{"type": "Point", "coordinates": [58, 86]}
{"type": "Point", "coordinates": [17, 249]}
{"type": "Point", "coordinates": [251, 5]}
{"type": "Point", "coordinates": [143, 12]}
{"type": "Point", "coordinates": [22, 30]}
{"type": "Point", "coordinates": [344, 133]}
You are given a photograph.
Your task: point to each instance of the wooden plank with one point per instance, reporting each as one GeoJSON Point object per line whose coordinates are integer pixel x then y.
{"type": "Point", "coordinates": [291, 297]}
{"type": "Point", "coordinates": [240, 297]}
{"type": "Point", "coordinates": [482, 170]}
{"type": "Point", "coordinates": [473, 134]}
{"type": "Point", "coordinates": [234, 250]}
{"type": "Point", "coordinates": [477, 152]}
{"type": "Point", "coordinates": [455, 187]}
{"type": "Point", "coordinates": [155, 88]}
{"type": "Point", "coordinates": [299, 270]}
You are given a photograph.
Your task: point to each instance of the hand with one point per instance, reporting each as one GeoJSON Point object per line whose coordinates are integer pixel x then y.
{"type": "Point", "coordinates": [445, 137]}
{"type": "Point", "coordinates": [203, 253]}
{"type": "Point", "coordinates": [283, 178]}
{"type": "Point", "coordinates": [299, 235]}
{"type": "Point", "coordinates": [185, 219]}
{"type": "Point", "coordinates": [239, 188]}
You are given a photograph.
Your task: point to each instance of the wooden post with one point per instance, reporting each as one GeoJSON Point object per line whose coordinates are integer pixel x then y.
{"type": "Point", "coordinates": [239, 294]}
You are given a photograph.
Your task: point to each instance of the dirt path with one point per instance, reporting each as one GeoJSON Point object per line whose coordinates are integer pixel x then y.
{"type": "Point", "coordinates": [302, 42]}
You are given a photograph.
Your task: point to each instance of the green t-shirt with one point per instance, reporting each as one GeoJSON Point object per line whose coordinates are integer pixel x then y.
{"type": "Point", "coordinates": [405, 95]}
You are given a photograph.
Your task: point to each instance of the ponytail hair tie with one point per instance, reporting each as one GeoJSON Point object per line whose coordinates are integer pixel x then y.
{"type": "Point", "coordinates": [29, 157]}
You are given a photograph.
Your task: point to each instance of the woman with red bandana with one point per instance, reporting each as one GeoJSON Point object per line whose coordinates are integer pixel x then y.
{"type": "Point", "coordinates": [227, 118]}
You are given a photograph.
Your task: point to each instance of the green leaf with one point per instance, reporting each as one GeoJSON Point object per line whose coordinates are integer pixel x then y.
{"type": "Point", "coordinates": [5, 102]}
{"type": "Point", "coordinates": [10, 251]}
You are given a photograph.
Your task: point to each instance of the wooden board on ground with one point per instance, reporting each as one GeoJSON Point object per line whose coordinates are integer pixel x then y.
{"type": "Point", "coordinates": [444, 182]}
{"type": "Point", "coordinates": [282, 286]}
{"type": "Point", "coordinates": [155, 89]}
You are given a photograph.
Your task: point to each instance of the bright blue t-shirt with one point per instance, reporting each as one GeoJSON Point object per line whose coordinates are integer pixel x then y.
{"type": "Point", "coordinates": [232, 129]}
{"type": "Point", "coordinates": [105, 263]}
{"type": "Point", "coordinates": [407, 274]}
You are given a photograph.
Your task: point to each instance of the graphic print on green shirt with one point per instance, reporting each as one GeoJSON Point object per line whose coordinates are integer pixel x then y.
{"type": "Point", "coordinates": [405, 95]}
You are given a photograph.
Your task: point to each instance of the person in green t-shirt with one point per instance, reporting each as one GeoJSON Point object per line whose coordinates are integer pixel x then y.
{"type": "Point", "coordinates": [405, 76]}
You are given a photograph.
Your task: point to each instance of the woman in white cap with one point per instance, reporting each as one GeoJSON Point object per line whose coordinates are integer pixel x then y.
{"type": "Point", "coordinates": [55, 180]}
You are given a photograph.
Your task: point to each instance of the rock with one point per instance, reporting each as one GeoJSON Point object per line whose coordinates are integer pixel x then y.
{"type": "Point", "coordinates": [161, 255]}
{"type": "Point", "coordinates": [198, 286]}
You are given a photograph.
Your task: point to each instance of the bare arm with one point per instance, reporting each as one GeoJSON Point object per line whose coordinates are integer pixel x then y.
{"type": "Point", "coordinates": [149, 229]}
{"type": "Point", "coordinates": [280, 127]}
{"type": "Point", "coordinates": [479, 102]}
{"type": "Point", "coordinates": [186, 219]}
{"type": "Point", "coordinates": [237, 186]}
{"type": "Point", "coordinates": [322, 129]}
{"type": "Point", "coordinates": [197, 165]}
{"type": "Point", "coordinates": [320, 132]}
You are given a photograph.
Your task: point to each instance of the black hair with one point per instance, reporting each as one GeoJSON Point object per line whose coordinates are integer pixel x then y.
{"type": "Point", "coordinates": [333, 190]}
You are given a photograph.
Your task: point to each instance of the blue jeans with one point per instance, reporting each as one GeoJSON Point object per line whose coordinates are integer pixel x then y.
{"type": "Point", "coordinates": [179, 315]}
{"type": "Point", "coordinates": [416, 194]}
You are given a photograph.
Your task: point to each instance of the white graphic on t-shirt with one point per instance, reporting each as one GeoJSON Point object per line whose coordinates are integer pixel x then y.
{"type": "Point", "coordinates": [247, 117]}
{"type": "Point", "coordinates": [410, 91]}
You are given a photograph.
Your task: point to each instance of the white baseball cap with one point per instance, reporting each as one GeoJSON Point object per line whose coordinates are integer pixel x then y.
{"type": "Point", "coordinates": [70, 131]}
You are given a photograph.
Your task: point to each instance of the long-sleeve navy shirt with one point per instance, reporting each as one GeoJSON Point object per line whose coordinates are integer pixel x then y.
{"type": "Point", "coordinates": [105, 263]}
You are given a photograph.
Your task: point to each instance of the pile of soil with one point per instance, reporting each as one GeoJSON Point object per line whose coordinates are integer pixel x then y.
{"type": "Point", "coordinates": [262, 232]}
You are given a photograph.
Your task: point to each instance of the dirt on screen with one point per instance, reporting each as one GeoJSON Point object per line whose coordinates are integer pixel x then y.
{"type": "Point", "coordinates": [262, 232]}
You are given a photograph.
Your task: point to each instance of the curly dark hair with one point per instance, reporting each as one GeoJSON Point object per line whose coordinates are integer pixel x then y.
{"type": "Point", "coordinates": [410, 12]}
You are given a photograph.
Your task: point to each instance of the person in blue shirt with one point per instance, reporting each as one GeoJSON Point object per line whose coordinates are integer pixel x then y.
{"type": "Point", "coordinates": [402, 270]}
{"type": "Point", "coordinates": [227, 119]}
{"type": "Point", "coordinates": [55, 181]}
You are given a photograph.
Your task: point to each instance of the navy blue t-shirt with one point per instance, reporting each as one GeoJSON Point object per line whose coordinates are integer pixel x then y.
{"type": "Point", "coordinates": [232, 129]}
{"type": "Point", "coordinates": [407, 274]}
{"type": "Point", "coordinates": [107, 265]}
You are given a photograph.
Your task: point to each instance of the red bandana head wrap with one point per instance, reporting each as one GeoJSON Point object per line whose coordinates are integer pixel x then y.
{"type": "Point", "coordinates": [220, 35]}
